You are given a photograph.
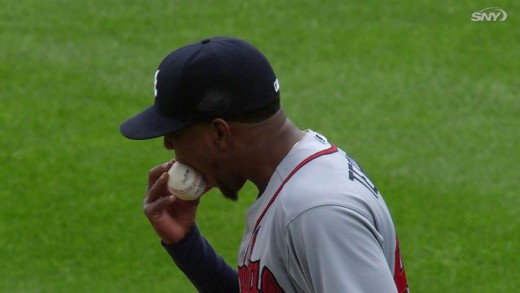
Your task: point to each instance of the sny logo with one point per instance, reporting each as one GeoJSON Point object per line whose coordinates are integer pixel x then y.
{"type": "Point", "coordinates": [489, 14]}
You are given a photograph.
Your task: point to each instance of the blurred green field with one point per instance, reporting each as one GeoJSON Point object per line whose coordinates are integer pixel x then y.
{"type": "Point", "coordinates": [426, 100]}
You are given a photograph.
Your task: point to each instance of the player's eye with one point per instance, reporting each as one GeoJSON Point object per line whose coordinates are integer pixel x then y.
{"type": "Point", "coordinates": [176, 134]}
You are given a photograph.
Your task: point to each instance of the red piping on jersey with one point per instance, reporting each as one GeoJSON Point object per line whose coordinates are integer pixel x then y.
{"type": "Point", "coordinates": [328, 151]}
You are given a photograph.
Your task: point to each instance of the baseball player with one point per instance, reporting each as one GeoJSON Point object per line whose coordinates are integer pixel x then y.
{"type": "Point", "coordinates": [318, 225]}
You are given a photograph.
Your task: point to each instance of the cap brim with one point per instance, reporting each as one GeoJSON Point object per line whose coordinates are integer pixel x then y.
{"type": "Point", "coordinates": [150, 124]}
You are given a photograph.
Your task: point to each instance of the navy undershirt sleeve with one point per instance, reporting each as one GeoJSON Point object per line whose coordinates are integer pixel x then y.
{"type": "Point", "coordinates": [206, 270]}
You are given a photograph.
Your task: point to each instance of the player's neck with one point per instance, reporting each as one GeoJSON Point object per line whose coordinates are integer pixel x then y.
{"type": "Point", "coordinates": [269, 146]}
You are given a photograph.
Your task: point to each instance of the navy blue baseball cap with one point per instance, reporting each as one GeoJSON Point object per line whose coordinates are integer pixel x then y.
{"type": "Point", "coordinates": [219, 77]}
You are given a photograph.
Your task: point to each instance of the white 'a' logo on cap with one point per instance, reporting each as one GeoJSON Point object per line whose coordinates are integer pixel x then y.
{"type": "Point", "coordinates": [276, 85]}
{"type": "Point", "coordinates": [155, 84]}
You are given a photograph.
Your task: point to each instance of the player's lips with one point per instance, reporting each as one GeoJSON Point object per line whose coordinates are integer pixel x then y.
{"type": "Point", "coordinates": [209, 182]}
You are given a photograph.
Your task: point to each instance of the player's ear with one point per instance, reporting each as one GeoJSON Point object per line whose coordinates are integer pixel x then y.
{"type": "Point", "coordinates": [221, 132]}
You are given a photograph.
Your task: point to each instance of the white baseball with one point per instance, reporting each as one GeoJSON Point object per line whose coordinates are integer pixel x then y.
{"type": "Point", "coordinates": [185, 183]}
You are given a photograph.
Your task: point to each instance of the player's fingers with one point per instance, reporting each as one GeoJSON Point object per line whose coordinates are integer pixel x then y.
{"type": "Point", "coordinates": [158, 189]}
{"type": "Point", "coordinates": [156, 172]}
{"type": "Point", "coordinates": [155, 209]}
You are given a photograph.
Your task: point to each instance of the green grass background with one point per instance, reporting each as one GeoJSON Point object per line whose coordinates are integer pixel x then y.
{"type": "Point", "coordinates": [426, 100]}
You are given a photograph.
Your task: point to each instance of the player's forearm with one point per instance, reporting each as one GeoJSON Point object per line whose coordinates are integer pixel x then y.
{"type": "Point", "coordinates": [199, 262]}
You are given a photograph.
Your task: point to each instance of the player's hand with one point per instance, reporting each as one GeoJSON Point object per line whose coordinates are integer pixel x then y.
{"type": "Point", "coordinates": [170, 217]}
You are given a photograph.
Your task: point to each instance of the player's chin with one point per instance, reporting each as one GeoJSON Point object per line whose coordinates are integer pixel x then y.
{"type": "Point", "coordinates": [229, 194]}
{"type": "Point", "coordinates": [227, 191]}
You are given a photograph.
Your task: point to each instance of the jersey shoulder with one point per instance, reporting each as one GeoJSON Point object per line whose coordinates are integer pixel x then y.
{"type": "Point", "coordinates": [332, 180]}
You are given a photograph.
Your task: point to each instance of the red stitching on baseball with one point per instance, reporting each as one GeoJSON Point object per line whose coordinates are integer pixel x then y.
{"type": "Point", "coordinates": [189, 188]}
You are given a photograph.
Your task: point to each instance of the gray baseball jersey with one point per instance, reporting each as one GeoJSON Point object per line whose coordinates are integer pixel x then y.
{"type": "Point", "coordinates": [320, 226]}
